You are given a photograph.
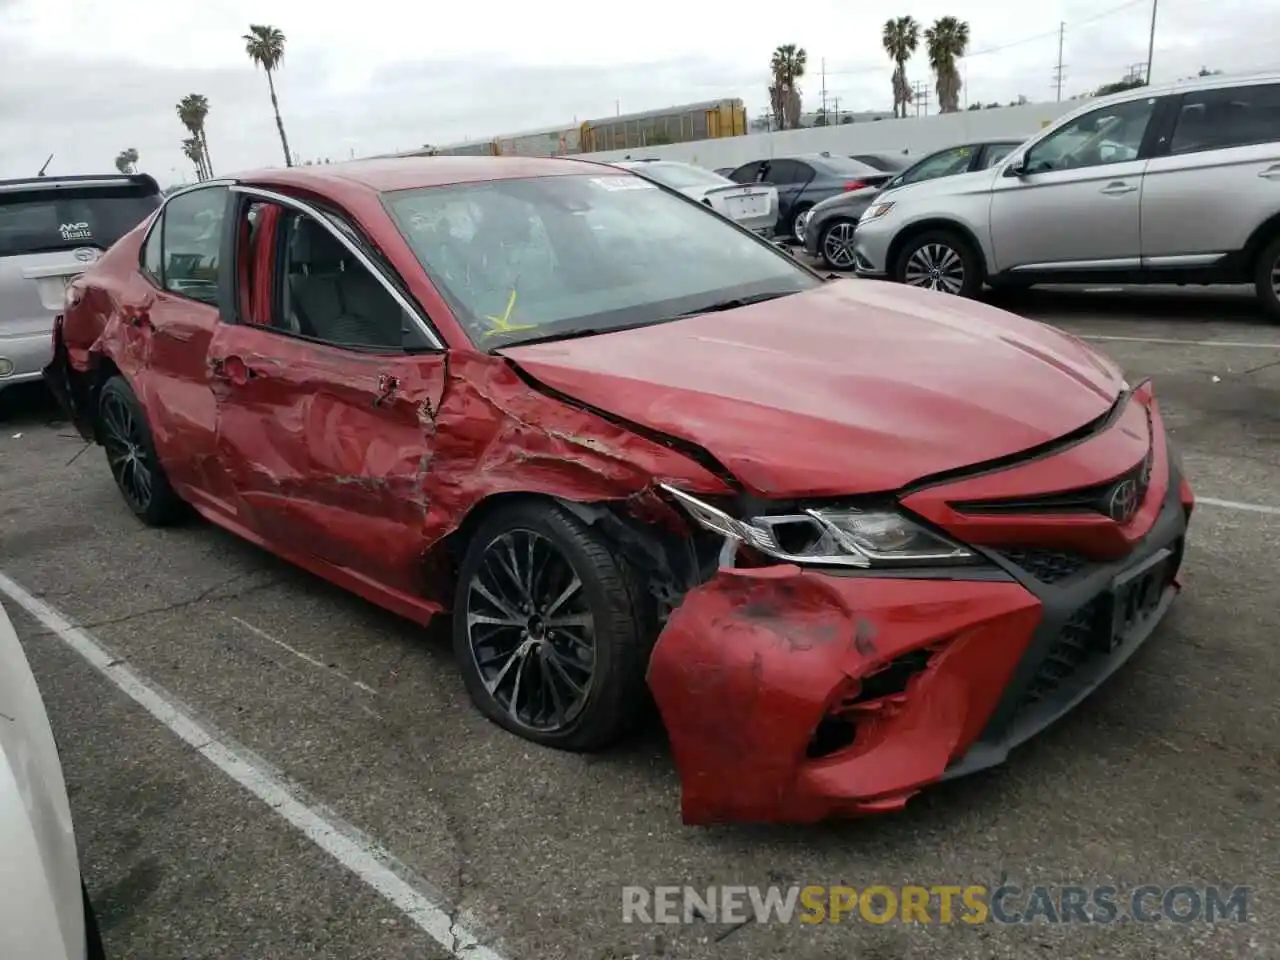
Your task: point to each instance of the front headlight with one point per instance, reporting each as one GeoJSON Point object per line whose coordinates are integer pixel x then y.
{"type": "Point", "coordinates": [876, 210]}
{"type": "Point", "coordinates": [837, 536]}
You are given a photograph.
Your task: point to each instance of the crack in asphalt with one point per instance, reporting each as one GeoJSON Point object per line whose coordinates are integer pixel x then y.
{"type": "Point", "coordinates": [211, 593]}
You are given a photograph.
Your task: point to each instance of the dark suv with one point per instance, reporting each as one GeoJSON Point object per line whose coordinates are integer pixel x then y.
{"type": "Point", "coordinates": [807, 179]}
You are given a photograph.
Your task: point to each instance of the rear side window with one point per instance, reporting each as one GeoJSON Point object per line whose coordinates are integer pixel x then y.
{"type": "Point", "coordinates": [1235, 117]}
{"type": "Point", "coordinates": [64, 218]}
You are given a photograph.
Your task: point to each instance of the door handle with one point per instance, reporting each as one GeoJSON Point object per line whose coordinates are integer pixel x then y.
{"type": "Point", "coordinates": [1117, 188]}
{"type": "Point", "coordinates": [139, 318]}
{"type": "Point", "coordinates": [387, 387]}
{"type": "Point", "coordinates": [1271, 173]}
{"type": "Point", "coordinates": [231, 369]}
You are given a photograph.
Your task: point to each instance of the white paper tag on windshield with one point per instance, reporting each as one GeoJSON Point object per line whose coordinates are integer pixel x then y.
{"type": "Point", "coordinates": [623, 183]}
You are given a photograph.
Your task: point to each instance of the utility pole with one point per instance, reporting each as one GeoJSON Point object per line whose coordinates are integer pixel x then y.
{"type": "Point", "coordinates": [1151, 43]}
{"type": "Point", "coordinates": [837, 111]}
{"type": "Point", "coordinates": [921, 97]}
{"type": "Point", "coordinates": [824, 87]}
{"type": "Point", "coordinates": [1057, 74]}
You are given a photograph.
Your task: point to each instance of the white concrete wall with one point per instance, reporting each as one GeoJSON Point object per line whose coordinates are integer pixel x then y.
{"type": "Point", "coordinates": [917, 135]}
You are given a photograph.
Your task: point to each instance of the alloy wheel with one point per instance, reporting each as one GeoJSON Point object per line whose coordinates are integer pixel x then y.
{"type": "Point", "coordinates": [127, 452]}
{"type": "Point", "coordinates": [531, 632]}
{"type": "Point", "coordinates": [1275, 278]}
{"type": "Point", "coordinates": [935, 266]}
{"type": "Point", "coordinates": [837, 246]}
{"type": "Point", "coordinates": [802, 222]}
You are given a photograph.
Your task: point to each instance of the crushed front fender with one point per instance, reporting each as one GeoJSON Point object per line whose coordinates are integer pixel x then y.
{"type": "Point", "coordinates": [756, 663]}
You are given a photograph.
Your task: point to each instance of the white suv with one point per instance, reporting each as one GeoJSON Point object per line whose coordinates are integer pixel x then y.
{"type": "Point", "coordinates": [1172, 184]}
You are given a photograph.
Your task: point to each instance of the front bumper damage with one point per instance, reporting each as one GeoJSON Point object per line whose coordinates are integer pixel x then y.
{"type": "Point", "coordinates": [794, 695]}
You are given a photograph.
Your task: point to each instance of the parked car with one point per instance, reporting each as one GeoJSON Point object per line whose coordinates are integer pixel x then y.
{"type": "Point", "coordinates": [1168, 184]}
{"type": "Point", "coordinates": [803, 181]}
{"type": "Point", "coordinates": [886, 162]}
{"type": "Point", "coordinates": [51, 229]}
{"type": "Point", "coordinates": [725, 171]}
{"type": "Point", "coordinates": [754, 206]}
{"type": "Point", "coordinates": [854, 537]}
{"type": "Point", "coordinates": [44, 910]}
{"type": "Point", "coordinates": [827, 229]}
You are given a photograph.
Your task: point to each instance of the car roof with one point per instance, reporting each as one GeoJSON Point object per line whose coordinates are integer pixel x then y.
{"type": "Point", "coordinates": [387, 174]}
{"type": "Point", "coordinates": [23, 184]}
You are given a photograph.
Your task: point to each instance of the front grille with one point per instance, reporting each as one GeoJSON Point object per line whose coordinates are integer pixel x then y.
{"type": "Point", "coordinates": [1047, 566]}
{"type": "Point", "coordinates": [1075, 646]}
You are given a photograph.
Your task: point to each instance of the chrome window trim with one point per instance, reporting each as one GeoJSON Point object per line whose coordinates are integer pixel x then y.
{"type": "Point", "coordinates": [320, 217]}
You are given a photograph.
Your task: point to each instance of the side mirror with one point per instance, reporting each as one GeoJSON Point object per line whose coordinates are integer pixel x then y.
{"type": "Point", "coordinates": [1017, 167]}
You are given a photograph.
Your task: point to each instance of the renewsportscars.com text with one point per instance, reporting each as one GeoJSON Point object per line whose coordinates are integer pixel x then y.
{"type": "Point", "coordinates": [938, 904]}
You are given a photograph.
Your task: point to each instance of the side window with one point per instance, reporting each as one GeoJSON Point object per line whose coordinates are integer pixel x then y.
{"type": "Point", "coordinates": [941, 164]}
{"type": "Point", "coordinates": [1107, 135]}
{"type": "Point", "coordinates": [997, 152]}
{"type": "Point", "coordinates": [1237, 117]}
{"type": "Point", "coordinates": [152, 255]}
{"type": "Point", "coordinates": [193, 243]}
{"type": "Point", "coordinates": [746, 173]}
{"type": "Point", "coordinates": [786, 172]}
{"type": "Point", "coordinates": [327, 294]}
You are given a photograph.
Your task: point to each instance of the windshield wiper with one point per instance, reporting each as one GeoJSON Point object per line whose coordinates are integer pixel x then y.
{"type": "Point", "coordinates": [733, 303]}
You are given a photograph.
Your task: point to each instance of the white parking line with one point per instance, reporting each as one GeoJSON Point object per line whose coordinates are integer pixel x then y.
{"type": "Point", "coordinates": [1247, 345]}
{"type": "Point", "coordinates": [304, 657]}
{"type": "Point", "coordinates": [356, 851]}
{"type": "Point", "coordinates": [1237, 505]}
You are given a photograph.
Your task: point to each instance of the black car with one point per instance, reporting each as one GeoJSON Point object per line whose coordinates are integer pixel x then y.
{"type": "Point", "coordinates": [827, 230]}
{"type": "Point", "coordinates": [807, 179]}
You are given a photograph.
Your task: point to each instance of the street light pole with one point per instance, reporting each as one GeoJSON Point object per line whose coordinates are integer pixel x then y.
{"type": "Point", "coordinates": [1151, 43]}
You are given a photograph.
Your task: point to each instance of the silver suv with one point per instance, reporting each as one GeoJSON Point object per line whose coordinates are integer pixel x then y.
{"type": "Point", "coordinates": [1172, 184]}
{"type": "Point", "coordinates": [51, 229]}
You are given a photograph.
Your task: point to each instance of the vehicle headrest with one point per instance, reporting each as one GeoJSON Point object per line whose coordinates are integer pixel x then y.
{"type": "Point", "coordinates": [311, 243]}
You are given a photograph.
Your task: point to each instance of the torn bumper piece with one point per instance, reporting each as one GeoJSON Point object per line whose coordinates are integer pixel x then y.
{"type": "Point", "coordinates": [794, 695]}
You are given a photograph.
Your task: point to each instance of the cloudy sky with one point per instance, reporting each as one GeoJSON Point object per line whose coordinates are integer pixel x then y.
{"type": "Point", "coordinates": [83, 79]}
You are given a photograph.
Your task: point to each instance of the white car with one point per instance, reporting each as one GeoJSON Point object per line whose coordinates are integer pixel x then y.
{"type": "Point", "coordinates": [44, 912]}
{"type": "Point", "coordinates": [753, 205]}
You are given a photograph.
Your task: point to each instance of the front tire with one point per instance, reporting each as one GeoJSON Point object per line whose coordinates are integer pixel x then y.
{"type": "Point", "coordinates": [551, 631]}
{"type": "Point", "coordinates": [131, 455]}
{"type": "Point", "coordinates": [940, 260]}
{"type": "Point", "coordinates": [796, 214]}
{"type": "Point", "coordinates": [1266, 279]}
{"type": "Point", "coordinates": [835, 246]}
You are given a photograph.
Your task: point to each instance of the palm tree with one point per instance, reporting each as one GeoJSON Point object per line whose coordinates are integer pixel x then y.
{"type": "Point", "coordinates": [265, 47]}
{"type": "Point", "coordinates": [787, 67]}
{"type": "Point", "coordinates": [193, 151]}
{"type": "Point", "coordinates": [900, 38]}
{"type": "Point", "coordinates": [947, 41]}
{"type": "Point", "coordinates": [192, 110]}
{"type": "Point", "coordinates": [127, 160]}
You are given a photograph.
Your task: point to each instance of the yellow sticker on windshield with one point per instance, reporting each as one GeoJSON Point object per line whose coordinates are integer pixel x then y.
{"type": "Point", "coordinates": [503, 323]}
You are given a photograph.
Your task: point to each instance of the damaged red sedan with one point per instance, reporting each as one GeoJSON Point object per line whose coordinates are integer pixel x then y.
{"type": "Point", "coordinates": [854, 538]}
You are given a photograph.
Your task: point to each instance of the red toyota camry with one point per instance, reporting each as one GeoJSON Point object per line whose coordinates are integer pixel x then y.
{"type": "Point", "coordinates": [853, 537]}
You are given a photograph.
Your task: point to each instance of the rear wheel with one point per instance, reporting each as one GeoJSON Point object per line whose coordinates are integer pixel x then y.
{"type": "Point", "coordinates": [1267, 279]}
{"type": "Point", "coordinates": [940, 260]}
{"type": "Point", "coordinates": [835, 246]}
{"type": "Point", "coordinates": [551, 631]}
{"type": "Point", "coordinates": [131, 454]}
{"type": "Point", "coordinates": [796, 214]}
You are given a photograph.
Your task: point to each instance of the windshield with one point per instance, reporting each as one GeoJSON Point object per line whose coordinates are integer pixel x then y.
{"type": "Point", "coordinates": [64, 218]}
{"type": "Point", "coordinates": [680, 176]}
{"type": "Point", "coordinates": [560, 256]}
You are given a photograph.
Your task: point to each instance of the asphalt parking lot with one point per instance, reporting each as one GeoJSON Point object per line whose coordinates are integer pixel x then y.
{"type": "Point", "coordinates": [347, 801]}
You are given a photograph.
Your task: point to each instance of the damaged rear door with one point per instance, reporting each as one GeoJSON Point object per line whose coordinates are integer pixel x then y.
{"type": "Point", "coordinates": [325, 401]}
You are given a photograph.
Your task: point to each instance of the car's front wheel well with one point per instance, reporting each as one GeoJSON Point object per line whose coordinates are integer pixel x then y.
{"type": "Point", "coordinates": [932, 226]}
{"type": "Point", "coordinates": [670, 565]}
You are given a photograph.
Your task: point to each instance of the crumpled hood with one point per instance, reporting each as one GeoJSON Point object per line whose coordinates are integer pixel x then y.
{"type": "Point", "coordinates": [855, 387]}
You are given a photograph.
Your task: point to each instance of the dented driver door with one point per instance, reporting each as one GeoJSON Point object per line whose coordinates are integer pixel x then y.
{"type": "Point", "coordinates": [326, 442]}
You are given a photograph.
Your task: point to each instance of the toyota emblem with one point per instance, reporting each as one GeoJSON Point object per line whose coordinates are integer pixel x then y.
{"type": "Point", "coordinates": [1123, 502]}
{"type": "Point", "coordinates": [86, 254]}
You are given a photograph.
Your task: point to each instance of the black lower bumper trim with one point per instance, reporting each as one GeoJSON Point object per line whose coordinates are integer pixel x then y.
{"type": "Point", "coordinates": [1081, 639]}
